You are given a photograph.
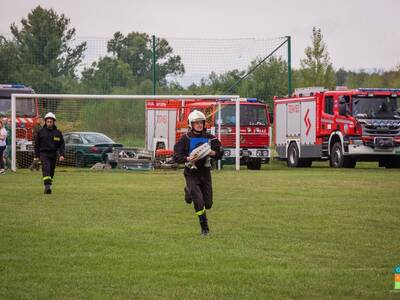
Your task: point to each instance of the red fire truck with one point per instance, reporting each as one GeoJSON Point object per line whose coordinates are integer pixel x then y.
{"type": "Point", "coordinates": [343, 126]}
{"type": "Point", "coordinates": [166, 121]}
{"type": "Point", "coordinates": [27, 117]}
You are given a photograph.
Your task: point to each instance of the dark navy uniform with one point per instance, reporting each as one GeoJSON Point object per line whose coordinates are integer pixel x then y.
{"type": "Point", "coordinates": [49, 143]}
{"type": "Point", "coordinates": [198, 180]}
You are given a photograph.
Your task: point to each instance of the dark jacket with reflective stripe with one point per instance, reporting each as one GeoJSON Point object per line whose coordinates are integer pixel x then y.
{"type": "Point", "coordinates": [50, 141]}
{"type": "Point", "coordinates": [189, 141]}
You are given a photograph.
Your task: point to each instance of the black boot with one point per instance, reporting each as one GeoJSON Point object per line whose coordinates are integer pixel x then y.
{"type": "Point", "coordinates": [204, 224]}
{"type": "Point", "coordinates": [188, 200]}
{"type": "Point", "coordinates": [47, 189]}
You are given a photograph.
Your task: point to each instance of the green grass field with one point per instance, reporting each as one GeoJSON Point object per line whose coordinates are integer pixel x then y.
{"type": "Point", "coordinates": [278, 233]}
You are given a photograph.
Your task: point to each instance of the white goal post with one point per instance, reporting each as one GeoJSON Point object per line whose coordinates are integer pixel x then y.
{"type": "Point", "coordinates": [15, 97]}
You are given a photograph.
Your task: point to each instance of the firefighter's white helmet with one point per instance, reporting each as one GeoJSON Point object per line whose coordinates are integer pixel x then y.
{"type": "Point", "coordinates": [50, 115]}
{"type": "Point", "coordinates": [195, 116]}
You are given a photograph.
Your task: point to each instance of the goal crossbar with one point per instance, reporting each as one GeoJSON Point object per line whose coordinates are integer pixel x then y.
{"type": "Point", "coordinates": [14, 98]}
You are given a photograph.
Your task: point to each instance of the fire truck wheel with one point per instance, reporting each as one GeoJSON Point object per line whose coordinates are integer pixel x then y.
{"type": "Point", "coordinates": [349, 163]}
{"type": "Point", "coordinates": [338, 160]}
{"type": "Point", "coordinates": [306, 163]}
{"type": "Point", "coordinates": [391, 163]}
{"type": "Point", "coordinates": [254, 165]}
{"type": "Point", "coordinates": [293, 156]}
{"type": "Point", "coordinates": [336, 156]}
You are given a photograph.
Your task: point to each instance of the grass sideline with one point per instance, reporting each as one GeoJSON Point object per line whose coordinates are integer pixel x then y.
{"type": "Point", "coordinates": [279, 233]}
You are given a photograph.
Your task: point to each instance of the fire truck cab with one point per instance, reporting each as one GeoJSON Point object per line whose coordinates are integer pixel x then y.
{"type": "Point", "coordinates": [27, 116]}
{"type": "Point", "coordinates": [167, 119]}
{"type": "Point", "coordinates": [343, 126]}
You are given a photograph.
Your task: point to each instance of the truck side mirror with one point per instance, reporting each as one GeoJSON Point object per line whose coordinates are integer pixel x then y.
{"type": "Point", "coordinates": [271, 117]}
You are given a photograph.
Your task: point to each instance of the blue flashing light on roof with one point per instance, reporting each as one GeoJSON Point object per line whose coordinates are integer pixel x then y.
{"type": "Point", "coordinates": [379, 90]}
{"type": "Point", "coordinates": [251, 99]}
{"type": "Point", "coordinates": [12, 86]}
{"type": "Point", "coordinates": [18, 86]}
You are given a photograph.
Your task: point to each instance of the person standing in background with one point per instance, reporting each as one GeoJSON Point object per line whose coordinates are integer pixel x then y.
{"type": "Point", "coordinates": [3, 145]}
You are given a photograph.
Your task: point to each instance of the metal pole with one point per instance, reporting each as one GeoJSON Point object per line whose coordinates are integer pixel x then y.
{"type": "Point", "coordinates": [237, 133]}
{"type": "Point", "coordinates": [255, 67]}
{"type": "Point", "coordinates": [13, 134]}
{"type": "Point", "coordinates": [289, 41]}
{"type": "Point", "coordinates": [219, 130]}
{"type": "Point", "coordinates": [154, 64]}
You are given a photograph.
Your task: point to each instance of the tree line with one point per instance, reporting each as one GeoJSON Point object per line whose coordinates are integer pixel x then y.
{"type": "Point", "coordinates": [40, 54]}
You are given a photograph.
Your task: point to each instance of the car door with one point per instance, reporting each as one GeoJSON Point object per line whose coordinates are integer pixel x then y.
{"type": "Point", "coordinates": [328, 115]}
{"type": "Point", "coordinates": [75, 145]}
{"type": "Point", "coordinates": [343, 113]}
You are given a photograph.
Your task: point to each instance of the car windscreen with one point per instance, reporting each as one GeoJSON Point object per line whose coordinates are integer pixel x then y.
{"type": "Point", "coordinates": [96, 138]}
{"type": "Point", "coordinates": [25, 107]}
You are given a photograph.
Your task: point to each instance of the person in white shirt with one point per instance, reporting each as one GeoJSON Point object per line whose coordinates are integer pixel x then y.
{"type": "Point", "coordinates": [3, 138]}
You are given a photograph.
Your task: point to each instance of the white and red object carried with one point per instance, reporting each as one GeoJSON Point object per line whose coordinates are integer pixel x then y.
{"type": "Point", "coordinates": [197, 154]}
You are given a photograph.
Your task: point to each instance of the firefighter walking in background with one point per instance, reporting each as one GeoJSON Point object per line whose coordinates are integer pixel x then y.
{"type": "Point", "coordinates": [197, 172]}
{"type": "Point", "coordinates": [48, 143]}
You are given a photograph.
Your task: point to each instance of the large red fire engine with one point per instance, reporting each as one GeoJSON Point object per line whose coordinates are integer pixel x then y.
{"type": "Point", "coordinates": [343, 126]}
{"type": "Point", "coordinates": [27, 116]}
{"type": "Point", "coordinates": [166, 122]}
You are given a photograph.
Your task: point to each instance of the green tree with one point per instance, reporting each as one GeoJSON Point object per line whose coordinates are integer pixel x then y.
{"type": "Point", "coordinates": [43, 48]}
{"type": "Point", "coordinates": [8, 61]}
{"type": "Point", "coordinates": [135, 49]}
{"type": "Point", "coordinates": [316, 68]}
{"type": "Point", "coordinates": [107, 74]}
{"type": "Point", "coordinates": [216, 83]}
{"type": "Point", "coordinates": [391, 79]}
{"type": "Point", "coordinates": [267, 81]}
{"type": "Point", "coordinates": [363, 78]}
{"type": "Point", "coordinates": [341, 76]}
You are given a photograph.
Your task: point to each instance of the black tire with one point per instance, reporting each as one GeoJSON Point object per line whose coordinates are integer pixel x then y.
{"type": "Point", "coordinates": [338, 160]}
{"type": "Point", "coordinates": [80, 160]}
{"type": "Point", "coordinates": [293, 160]}
{"type": "Point", "coordinates": [254, 165]}
{"type": "Point", "coordinates": [392, 163]}
{"type": "Point", "coordinates": [349, 163]}
{"type": "Point", "coordinates": [306, 163]}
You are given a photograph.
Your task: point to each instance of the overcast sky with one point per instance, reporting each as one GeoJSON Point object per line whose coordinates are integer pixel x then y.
{"type": "Point", "coordinates": [359, 34]}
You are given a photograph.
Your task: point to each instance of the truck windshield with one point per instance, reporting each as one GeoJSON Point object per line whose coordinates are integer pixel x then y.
{"type": "Point", "coordinates": [377, 107]}
{"type": "Point", "coordinates": [250, 115]}
{"type": "Point", "coordinates": [25, 107]}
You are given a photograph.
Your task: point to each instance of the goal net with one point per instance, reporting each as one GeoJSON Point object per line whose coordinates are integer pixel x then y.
{"type": "Point", "coordinates": [93, 126]}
